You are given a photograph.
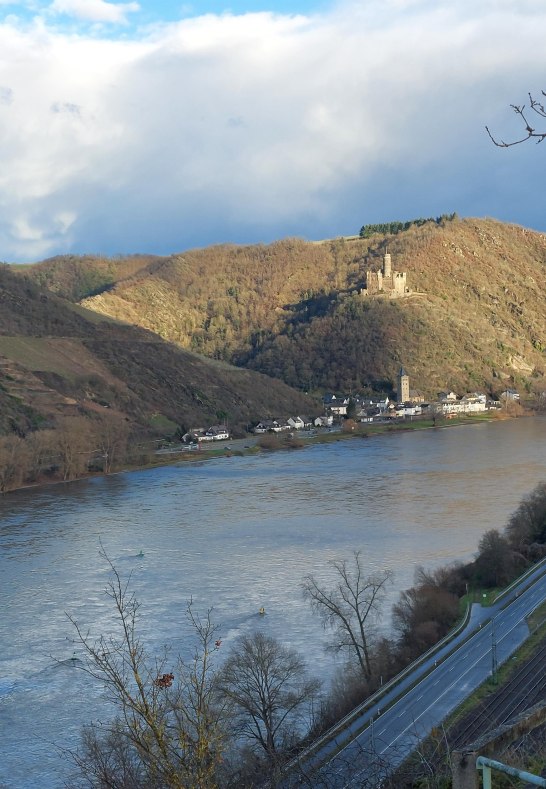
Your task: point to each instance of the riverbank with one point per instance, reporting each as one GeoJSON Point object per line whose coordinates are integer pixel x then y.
{"type": "Point", "coordinates": [301, 439]}
{"type": "Point", "coordinates": [252, 445]}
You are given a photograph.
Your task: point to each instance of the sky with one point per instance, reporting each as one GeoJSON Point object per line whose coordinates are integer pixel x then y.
{"type": "Point", "coordinates": [158, 125]}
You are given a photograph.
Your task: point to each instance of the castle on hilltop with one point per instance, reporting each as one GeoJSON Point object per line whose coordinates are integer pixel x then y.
{"type": "Point", "coordinates": [386, 282]}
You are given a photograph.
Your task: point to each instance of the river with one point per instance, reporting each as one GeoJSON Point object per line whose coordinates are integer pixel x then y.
{"type": "Point", "coordinates": [234, 534]}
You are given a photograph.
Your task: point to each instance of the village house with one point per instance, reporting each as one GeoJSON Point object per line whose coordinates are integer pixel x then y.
{"type": "Point", "coordinates": [412, 409]}
{"type": "Point", "coordinates": [472, 403]}
{"type": "Point", "coordinates": [396, 410]}
{"type": "Point", "coordinates": [368, 414]}
{"type": "Point", "coordinates": [299, 422]}
{"type": "Point", "coordinates": [214, 433]}
{"type": "Point", "coordinates": [193, 434]}
{"type": "Point", "coordinates": [336, 404]}
{"type": "Point", "coordinates": [416, 396]}
{"type": "Point", "coordinates": [271, 425]}
{"type": "Point", "coordinates": [510, 394]}
{"type": "Point", "coordinates": [324, 421]}
{"type": "Point", "coordinates": [448, 397]}
{"type": "Point", "coordinates": [295, 422]}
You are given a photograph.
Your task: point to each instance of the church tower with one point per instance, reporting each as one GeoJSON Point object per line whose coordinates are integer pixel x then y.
{"type": "Point", "coordinates": [403, 386]}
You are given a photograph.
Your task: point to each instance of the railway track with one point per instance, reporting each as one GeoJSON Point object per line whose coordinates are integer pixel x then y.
{"type": "Point", "coordinates": [526, 687]}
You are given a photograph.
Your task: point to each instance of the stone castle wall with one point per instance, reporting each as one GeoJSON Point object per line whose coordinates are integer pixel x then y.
{"type": "Point", "coordinates": [386, 282]}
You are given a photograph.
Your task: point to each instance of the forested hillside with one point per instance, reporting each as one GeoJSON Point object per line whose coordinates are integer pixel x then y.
{"type": "Point", "coordinates": [294, 309]}
{"type": "Point", "coordinates": [76, 277]}
{"type": "Point", "coordinates": [59, 361]}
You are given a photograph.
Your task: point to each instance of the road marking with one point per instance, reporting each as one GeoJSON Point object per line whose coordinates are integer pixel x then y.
{"type": "Point", "coordinates": [527, 604]}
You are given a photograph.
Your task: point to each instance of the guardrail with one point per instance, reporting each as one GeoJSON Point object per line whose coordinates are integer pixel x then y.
{"type": "Point", "coordinates": [348, 719]}
{"type": "Point", "coordinates": [486, 765]}
{"type": "Point", "coordinates": [531, 571]}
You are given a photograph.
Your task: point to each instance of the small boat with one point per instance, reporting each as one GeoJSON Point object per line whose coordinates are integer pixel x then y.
{"type": "Point", "coordinates": [262, 611]}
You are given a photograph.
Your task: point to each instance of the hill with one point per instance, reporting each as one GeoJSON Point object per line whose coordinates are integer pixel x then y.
{"type": "Point", "coordinates": [58, 360]}
{"type": "Point", "coordinates": [294, 309]}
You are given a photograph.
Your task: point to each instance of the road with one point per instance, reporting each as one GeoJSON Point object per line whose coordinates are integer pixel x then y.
{"type": "Point", "coordinates": [203, 446]}
{"type": "Point", "coordinates": [382, 737]}
{"type": "Point", "coordinates": [238, 444]}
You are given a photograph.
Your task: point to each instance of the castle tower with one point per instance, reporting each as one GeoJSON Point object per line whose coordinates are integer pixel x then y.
{"type": "Point", "coordinates": [403, 386]}
{"type": "Point", "coordinates": [387, 265]}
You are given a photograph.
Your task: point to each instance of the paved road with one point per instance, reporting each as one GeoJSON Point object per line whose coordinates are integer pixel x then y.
{"type": "Point", "coordinates": [204, 446]}
{"type": "Point", "coordinates": [390, 735]}
{"type": "Point", "coordinates": [236, 443]}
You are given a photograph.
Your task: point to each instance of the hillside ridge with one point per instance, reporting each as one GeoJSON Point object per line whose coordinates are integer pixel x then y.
{"type": "Point", "coordinates": [294, 309]}
{"type": "Point", "coordinates": [59, 360]}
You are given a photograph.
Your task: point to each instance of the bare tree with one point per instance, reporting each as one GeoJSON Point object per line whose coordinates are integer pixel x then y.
{"type": "Point", "coordinates": [537, 110]}
{"type": "Point", "coordinates": [527, 525]}
{"type": "Point", "coordinates": [495, 564]}
{"type": "Point", "coordinates": [41, 449]}
{"type": "Point", "coordinates": [422, 615]}
{"type": "Point", "coordinates": [169, 730]}
{"type": "Point", "coordinates": [111, 436]}
{"type": "Point", "coordinates": [270, 695]}
{"type": "Point", "coordinates": [73, 446]}
{"type": "Point", "coordinates": [14, 462]}
{"type": "Point", "coordinates": [107, 759]}
{"type": "Point", "coordinates": [350, 608]}
{"type": "Point", "coordinates": [450, 577]}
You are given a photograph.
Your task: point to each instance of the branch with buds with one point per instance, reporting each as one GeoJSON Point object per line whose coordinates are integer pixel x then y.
{"type": "Point", "coordinates": [536, 107]}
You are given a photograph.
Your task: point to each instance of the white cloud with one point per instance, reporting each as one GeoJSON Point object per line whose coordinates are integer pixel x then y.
{"type": "Point", "coordinates": [95, 10]}
{"type": "Point", "coordinates": [253, 127]}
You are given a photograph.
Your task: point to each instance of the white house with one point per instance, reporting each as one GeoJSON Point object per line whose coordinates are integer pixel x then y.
{"type": "Point", "coordinates": [450, 397]}
{"type": "Point", "coordinates": [473, 403]}
{"type": "Point", "coordinates": [412, 409]}
{"type": "Point", "coordinates": [452, 406]}
{"type": "Point", "coordinates": [336, 404]}
{"type": "Point", "coordinates": [273, 425]}
{"type": "Point", "coordinates": [299, 422]}
{"type": "Point", "coordinates": [296, 422]}
{"type": "Point", "coordinates": [216, 433]}
{"type": "Point", "coordinates": [382, 404]}
{"type": "Point", "coordinates": [324, 421]}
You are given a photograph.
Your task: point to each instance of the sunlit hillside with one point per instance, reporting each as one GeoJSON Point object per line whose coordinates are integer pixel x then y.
{"type": "Point", "coordinates": [293, 309]}
{"type": "Point", "coordinates": [60, 361]}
